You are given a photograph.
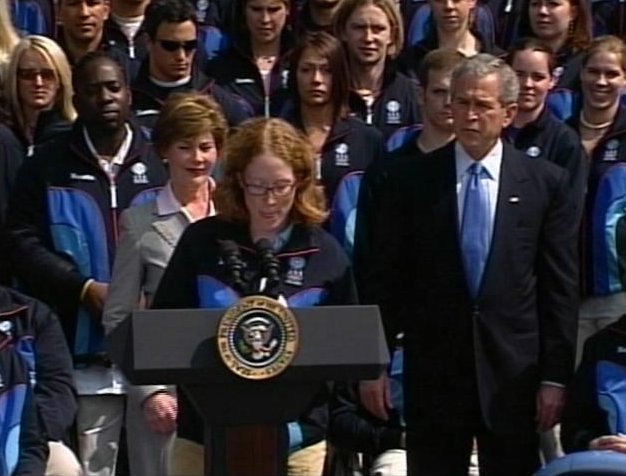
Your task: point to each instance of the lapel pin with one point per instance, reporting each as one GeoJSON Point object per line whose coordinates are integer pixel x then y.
{"type": "Point", "coordinates": [514, 199]}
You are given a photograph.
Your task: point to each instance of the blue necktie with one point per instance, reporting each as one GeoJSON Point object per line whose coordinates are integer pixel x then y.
{"type": "Point", "coordinates": [475, 227]}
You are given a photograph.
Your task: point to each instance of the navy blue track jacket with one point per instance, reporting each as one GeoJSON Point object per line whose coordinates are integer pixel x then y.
{"type": "Point", "coordinates": [314, 271]}
{"type": "Point", "coordinates": [62, 224]}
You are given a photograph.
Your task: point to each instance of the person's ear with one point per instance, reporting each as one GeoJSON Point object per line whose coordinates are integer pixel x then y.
{"type": "Point", "coordinates": [510, 111]}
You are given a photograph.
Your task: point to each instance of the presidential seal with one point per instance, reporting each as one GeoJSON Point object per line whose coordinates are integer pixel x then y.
{"type": "Point", "coordinates": [257, 338]}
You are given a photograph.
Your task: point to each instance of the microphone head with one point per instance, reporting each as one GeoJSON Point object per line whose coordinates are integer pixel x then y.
{"type": "Point", "coordinates": [229, 247]}
{"type": "Point", "coordinates": [264, 245]}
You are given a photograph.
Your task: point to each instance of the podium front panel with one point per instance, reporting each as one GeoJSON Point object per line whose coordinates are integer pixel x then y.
{"type": "Point", "coordinates": [179, 347]}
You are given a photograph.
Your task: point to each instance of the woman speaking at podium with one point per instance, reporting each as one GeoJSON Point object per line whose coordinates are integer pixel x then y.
{"type": "Point", "coordinates": [266, 239]}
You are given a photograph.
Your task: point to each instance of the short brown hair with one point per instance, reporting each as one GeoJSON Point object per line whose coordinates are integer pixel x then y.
{"type": "Point", "coordinates": [187, 115]}
{"type": "Point", "coordinates": [269, 135]}
{"type": "Point", "coordinates": [441, 59]}
{"type": "Point", "coordinates": [533, 44]}
{"type": "Point", "coordinates": [238, 9]}
{"type": "Point", "coordinates": [348, 7]}
{"type": "Point", "coordinates": [607, 44]}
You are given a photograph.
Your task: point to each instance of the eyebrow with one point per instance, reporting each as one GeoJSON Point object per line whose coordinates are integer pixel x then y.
{"type": "Point", "coordinates": [108, 82]}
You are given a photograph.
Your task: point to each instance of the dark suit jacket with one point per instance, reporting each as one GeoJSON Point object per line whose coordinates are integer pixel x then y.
{"type": "Point", "coordinates": [468, 358]}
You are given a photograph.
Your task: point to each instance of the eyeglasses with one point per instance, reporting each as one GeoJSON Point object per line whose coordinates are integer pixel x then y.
{"type": "Point", "coordinates": [278, 190]}
{"type": "Point", "coordinates": [172, 46]}
{"type": "Point", "coordinates": [31, 74]}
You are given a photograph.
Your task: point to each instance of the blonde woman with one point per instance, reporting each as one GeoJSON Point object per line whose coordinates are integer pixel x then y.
{"type": "Point", "coordinates": [189, 136]}
{"type": "Point", "coordinates": [38, 90]}
{"type": "Point", "coordinates": [8, 37]}
{"type": "Point", "coordinates": [601, 124]}
{"type": "Point", "coordinates": [372, 35]}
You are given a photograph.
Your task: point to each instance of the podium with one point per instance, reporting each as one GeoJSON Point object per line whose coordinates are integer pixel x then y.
{"type": "Point", "coordinates": [244, 419]}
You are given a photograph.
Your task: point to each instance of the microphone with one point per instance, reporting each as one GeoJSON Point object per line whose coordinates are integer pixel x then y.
{"type": "Point", "coordinates": [234, 265]}
{"type": "Point", "coordinates": [270, 266]}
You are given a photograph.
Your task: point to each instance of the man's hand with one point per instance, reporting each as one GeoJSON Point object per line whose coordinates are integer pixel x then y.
{"type": "Point", "coordinates": [609, 442]}
{"type": "Point", "coordinates": [375, 396]}
{"type": "Point", "coordinates": [549, 405]}
{"type": "Point", "coordinates": [94, 299]}
{"type": "Point", "coordinates": [160, 411]}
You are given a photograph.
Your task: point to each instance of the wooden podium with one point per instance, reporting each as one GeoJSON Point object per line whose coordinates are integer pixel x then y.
{"type": "Point", "coordinates": [245, 420]}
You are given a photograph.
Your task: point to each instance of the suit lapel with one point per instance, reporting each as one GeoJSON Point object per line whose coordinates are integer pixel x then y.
{"type": "Point", "coordinates": [512, 177]}
{"type": "Point", "coordinates": [170, 227]}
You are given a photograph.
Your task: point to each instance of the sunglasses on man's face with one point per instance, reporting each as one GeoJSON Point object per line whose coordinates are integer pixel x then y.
{"type": "Point", "coordinates": [31, 74]}
{"type": "Point", "coordinates": [172, 46]}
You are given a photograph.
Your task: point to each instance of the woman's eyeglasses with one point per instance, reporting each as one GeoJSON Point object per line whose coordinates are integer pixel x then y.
{"type": "Point", "coordinates": [31, 74]}
{"type": "Point", "coordinates": [278, 190]}
{"type": "Point", "coordinates": [172, 46]}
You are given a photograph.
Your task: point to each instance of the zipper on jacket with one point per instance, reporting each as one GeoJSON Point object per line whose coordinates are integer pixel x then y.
{"type": "Point", "coordinates": [318, 167]}
{"type": "Point", "coordinates": [113, 192]}
{"type": "Point", "coordinates": [131, 48]}
{"type": "Point", "coordinates": [266, 81]}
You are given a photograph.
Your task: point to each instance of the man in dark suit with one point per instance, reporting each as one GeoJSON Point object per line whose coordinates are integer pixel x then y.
{"type": "Point", "coordinates": [476, 262]}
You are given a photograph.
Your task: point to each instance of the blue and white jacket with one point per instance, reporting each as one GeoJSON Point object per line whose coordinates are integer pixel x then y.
{"type": "Point", "coordinates": [603, 264]}
{"type": "Point", "coordinates": [395, 107]}
{"type": "Point", "coordinates": [351, 146]}
{"type": "Point", "coordinates": [62, 225]}
{"type": "Point", "coordinates": [37, 398]}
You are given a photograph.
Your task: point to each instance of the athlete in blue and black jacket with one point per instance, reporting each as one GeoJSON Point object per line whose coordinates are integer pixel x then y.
{"type": "Point", "coordinates": [37, 397]}
{"type": "Point", "coordinates": [62, 223]}
{"type": "Point", "coordinates": [346, 145]}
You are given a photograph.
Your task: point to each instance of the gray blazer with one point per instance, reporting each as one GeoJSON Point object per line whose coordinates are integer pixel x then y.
{"type": "Point", "coordinates": [148, 236]}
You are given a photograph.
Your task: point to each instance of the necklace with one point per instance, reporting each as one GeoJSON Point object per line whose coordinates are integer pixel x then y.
{"type": "Point", "coordinates": [589, 125]}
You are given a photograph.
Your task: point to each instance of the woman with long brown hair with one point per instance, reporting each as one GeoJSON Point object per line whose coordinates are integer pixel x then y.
{"type": "Point", "coordinates": [344, 146]}
{"type": "Point", "coordinates": [256, 66]}
{"type": "Point", "coordinates": [564, 25]}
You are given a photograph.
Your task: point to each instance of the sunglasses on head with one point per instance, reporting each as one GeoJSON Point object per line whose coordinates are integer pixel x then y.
{"type": "Point", "coordinates": [171, 46]}
{"type": "Point", "coordinates": [30, 74]}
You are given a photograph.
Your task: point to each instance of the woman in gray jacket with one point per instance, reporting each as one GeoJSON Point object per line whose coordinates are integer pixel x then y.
{"type": "Point", "coordinates": [189, 136]}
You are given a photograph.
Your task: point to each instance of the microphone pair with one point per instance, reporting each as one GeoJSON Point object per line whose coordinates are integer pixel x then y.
{"type": "Point", "coordinates": [270, 266]}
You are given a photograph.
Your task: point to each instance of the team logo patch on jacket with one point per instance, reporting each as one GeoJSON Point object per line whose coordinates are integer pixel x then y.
{"type": "Point", "coordinates": [201, 10]}
{"type": "Point", "coordinates": [295, 274]}
{"type": "Point", "coordinates": [393, 112]}
{"type": "Point", "coordinates": [139, 173]}
{"type": "Point", "coordinates": [342, 159]}
{"type": "Point", "coordinates": [533, 152]}
{"type": "Point", "coordinates": [610, 151]}
{"type": "Point", "coordinates": [557, 73]}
